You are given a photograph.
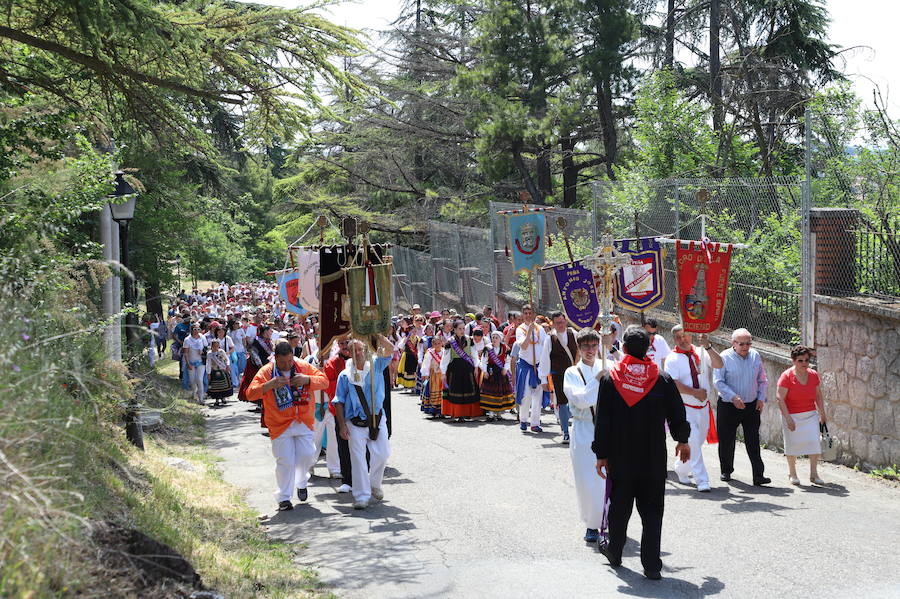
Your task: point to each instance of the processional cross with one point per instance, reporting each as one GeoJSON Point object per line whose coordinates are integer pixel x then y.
{"type": "Point", "coordinates": [605, 263]}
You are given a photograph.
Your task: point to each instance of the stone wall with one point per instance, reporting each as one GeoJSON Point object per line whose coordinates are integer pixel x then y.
{"type": "Point", "coordinates": [858, 355]}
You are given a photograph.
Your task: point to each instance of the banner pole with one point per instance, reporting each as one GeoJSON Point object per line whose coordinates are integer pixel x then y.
{"type": "Point", "coordinates": [637, 239]}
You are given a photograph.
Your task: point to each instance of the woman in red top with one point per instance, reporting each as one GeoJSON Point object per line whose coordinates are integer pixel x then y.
{"type": "Point", "coordinates": [802, 410]}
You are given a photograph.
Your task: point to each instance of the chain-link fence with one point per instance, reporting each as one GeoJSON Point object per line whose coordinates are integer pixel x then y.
{"type": "Point", "coordinates": [413, 277]}
{"type": "Point", "coordinates": [763, 213]}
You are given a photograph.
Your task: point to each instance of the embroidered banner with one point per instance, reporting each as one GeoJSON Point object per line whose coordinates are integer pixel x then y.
{"type": "Point", "coordinates": [527, 240]}
{"type": "Point", "coordinates": [577, 294]}
{"type": "Point", "coordinates": [369, 289]}
{"type": "Point", "coordinates": [639, 286]}
{"type": "Point", "coordinates": [289, 290]}
{"type": "Point", "coordinates": [308, 267]}
{"type": "Point", "coordinates": [703, 269]}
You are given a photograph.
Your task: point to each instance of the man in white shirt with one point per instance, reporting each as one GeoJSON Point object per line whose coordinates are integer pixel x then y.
{"type": "Point", "coordinates": [659, 348]}
{"type": "Point", "coordinates": [193, 348]}
{"type": "Point", "coordinates": [529, 389]}
{"type": "Point", "coordinates": [689, 367]}
{"type": "Point", "coordinates": [581, 383]}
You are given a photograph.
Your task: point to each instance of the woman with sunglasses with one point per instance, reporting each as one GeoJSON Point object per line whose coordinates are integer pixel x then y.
{"type": "Point", "coordinates": [802, 411]}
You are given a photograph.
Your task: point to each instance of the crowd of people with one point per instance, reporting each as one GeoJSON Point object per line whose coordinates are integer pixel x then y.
{"type": "Point", "coordinates": [613, 396]}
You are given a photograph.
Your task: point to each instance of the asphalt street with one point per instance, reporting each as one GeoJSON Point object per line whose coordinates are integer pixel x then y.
{"type": "Point", "coordinates": [483, 510]}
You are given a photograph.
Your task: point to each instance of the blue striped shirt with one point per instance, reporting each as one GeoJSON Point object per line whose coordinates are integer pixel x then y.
{"type": "Point", "coordinates": [744, 377]}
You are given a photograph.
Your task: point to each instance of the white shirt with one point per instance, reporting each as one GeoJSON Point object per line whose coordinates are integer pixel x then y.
{"type": "Point", "coordinates": [449, 354]}
{"type": "Point", "coordinates": [582, 394]}
{"type": "Point", "coordinates": [679, 369]}
{"type": "Point", "coordinates": [237, 337]}
{"type": "Point", "coordinates": [659, 350]}
{"type": "Point", "coordinates": [539, 337]}
{"type": "Point", "coordinates": [194, 347]}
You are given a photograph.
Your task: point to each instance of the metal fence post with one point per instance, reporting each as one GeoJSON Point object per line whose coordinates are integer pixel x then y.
{"type": "Point", "coordinates": [806, 274]}
{"type": "Point", "coordinates": [677, 210]}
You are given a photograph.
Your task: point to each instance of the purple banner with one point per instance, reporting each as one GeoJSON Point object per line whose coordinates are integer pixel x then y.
{"type": "Point", "coordinates": [577, 294]}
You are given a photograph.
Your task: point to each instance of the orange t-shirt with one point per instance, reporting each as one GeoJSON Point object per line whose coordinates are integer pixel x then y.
{"type": "Point", "coordinates": [800, 398]}
{"type": "Point", "coordinates": [277, 420]}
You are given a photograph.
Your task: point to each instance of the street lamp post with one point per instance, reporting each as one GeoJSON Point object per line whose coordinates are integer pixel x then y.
{"type": "Point", "coordinates": [123, 213]}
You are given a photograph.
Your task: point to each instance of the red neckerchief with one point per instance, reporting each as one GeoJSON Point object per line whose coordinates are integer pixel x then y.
{"type": "Point", "coordinates": [634, 378]}
{"type": "Point", "coordinates": [688, 352]}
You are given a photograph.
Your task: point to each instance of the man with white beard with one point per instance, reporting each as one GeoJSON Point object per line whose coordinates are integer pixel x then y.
{"type": "Point", "coordinates": [581, 384]}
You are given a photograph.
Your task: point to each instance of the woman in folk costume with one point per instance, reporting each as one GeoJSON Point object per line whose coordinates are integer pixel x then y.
{"type": "Point", "coordinates": [260, 352]}
{"type": "Point", "coordinates": [218, 369]}
{"type": "Point", "coordinates": [424, 343]}
{"type": "Point", "coordinates": [433, 392]}
{"type": "Point", "coordinates": [496, 386]}
{"type": "Point", "coordinates": [459, 364]}
{"type": "Point", "coordinates": [409, 360]}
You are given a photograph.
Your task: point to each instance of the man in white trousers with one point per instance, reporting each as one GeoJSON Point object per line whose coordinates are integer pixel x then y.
{"type": "Point", "coordinates": [689, 366]}
{"type": "Point", "coordinates": [581, 384]}
{"type": "Point", "coordinates": [285, 387]}
{"type": "Point", "coordinates": [358, 402]}
{"type": "Point", "coordinates": [529, 388]}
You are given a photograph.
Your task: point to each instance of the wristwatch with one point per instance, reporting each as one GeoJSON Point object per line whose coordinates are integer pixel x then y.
{"type": "Point", "coordinates": [708, 347]}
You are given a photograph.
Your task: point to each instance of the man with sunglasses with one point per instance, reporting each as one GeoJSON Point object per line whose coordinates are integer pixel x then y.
{"type": "Point", "coordinates": [741, 384]}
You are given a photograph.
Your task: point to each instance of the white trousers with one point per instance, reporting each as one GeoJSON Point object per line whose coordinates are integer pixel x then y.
{"type": "Point", "coordinates": [332, 461]}
{"type": "Point", "coordinates": [531, 403]}
{"type": "Point", "coordinates": [195, 376]}
{"type": "Point", "coordinates": [589, 486]}
{"type": "Point", "coordinates": [365, 478]}
{"type": "Point", "coordinates": [699, 421]}
{"type": "Point", "coordinates": [295, 453]}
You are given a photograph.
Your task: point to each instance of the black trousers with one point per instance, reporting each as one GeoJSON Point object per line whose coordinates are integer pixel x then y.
{"type": "Point", "coordinates": [387, 399]}
{"type": "Point", "coordinates": [647, 493]}
{"type": "Point", "coordinates": [344, 456]}
{"type": "Point", "coordinates": [727, 421]}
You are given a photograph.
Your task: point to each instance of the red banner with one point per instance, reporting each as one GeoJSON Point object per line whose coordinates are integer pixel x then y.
{"type": "Point", "coordinates": [702, 284]}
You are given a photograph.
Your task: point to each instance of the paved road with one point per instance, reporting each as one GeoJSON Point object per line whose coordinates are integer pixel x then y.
{"type": "Point", "coordinates": [482, 510]}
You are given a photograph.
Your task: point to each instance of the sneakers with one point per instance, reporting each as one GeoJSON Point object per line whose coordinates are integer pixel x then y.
{"type": "Point", "coordinates": [725, 477]}
{"type": "Point", "coordinates": [565, 439]}
{"type": "Point", "coordinates": [378, 494]}
{"type": "Point", "coordinates": [302, 494]}
{"type": "Point", "coordinates": [683, 479]}
{"type": "Point", "coordinates": [703, 487]}
{"type": "Point", "coordinates": [523, 426]}
{"type": "Point", "coordinates": [592, 535]}
{"type": "Point", "coordinates": [285, 505]}
{"type": "Point", "coordinates": [536, 429]}
{"type": "Point", "coordinates": [360, 505]}
{"type": "Point", "coordinates": [344, 488]}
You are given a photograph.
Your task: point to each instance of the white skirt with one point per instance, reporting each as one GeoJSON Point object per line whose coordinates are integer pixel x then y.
{"type": "Point", "coordinates": [804, 439]}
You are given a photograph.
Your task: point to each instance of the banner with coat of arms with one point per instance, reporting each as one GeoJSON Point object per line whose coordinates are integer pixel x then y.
{"type": "Point", "coordinates": [639, 285]}
{"type": "Point", "coordinates": [703, 269]}
{"type": "Point", "coordinates": [577, 293]}
{"type": "Point", "coordinates": [289, 290]}
{"type": "Point", "coordinates": [527, 234]}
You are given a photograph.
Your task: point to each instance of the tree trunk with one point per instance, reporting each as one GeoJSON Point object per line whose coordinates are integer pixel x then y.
{"type": "Point", "coordinates": [536, 196]}
{"type": "Point", "coordinates": [569, 172]}
{"type": "Point", "coordinates": [544, 176]}
{"type": "Point", "coordinates": [154, 299]}
{"type": "Point", "coordinates": [607, 125]}
{"type": "Point", "coordinates": [715, 65]}
{"type": "Point", "coordinates": [669, 60]}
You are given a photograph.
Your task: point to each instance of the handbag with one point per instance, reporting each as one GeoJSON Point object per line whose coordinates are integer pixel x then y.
{"type": "Point", "coordinates": [828, 444]}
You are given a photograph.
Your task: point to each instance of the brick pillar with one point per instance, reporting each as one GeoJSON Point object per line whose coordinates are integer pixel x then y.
{"type": "Point", "coordinates": [834, 250]}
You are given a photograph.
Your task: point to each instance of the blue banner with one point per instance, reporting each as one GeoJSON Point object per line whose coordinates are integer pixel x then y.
{"type": "Point", "coordinates": [639, 286]}
{"type": "Point", "coordinates": [577, 294]}
{"type": "Point", "coordinates": [289, 290]}
{"type": "Point", "coordinates": [527, 240]}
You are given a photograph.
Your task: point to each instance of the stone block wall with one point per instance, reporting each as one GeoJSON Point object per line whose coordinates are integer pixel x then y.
{"type": "Point", "coordinates": [858, 356]}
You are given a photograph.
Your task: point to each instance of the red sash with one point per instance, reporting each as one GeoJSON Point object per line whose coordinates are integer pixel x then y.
{"type": "Point", "coordinates": [634, 378]}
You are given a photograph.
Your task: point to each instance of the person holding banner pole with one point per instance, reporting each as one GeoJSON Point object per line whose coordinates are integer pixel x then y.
{"type": "Point", "coordinates": [529, 391]}
{"type": "Point", "coordinates": [581, 383]}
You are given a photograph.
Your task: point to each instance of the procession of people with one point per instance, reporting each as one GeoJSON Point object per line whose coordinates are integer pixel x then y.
{"type": "Point", "coordinates": [613, 396]}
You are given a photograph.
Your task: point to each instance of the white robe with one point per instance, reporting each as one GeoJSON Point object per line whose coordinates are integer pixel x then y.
{"type": "Point", "coordinates": [589, 486]}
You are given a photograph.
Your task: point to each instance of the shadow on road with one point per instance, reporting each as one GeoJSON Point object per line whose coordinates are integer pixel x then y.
{"type": "Point", "coordinates": [668, 587]}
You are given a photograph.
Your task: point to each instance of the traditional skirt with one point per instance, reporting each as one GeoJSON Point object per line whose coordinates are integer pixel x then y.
{"type": "Point", "coordinates": [249, 372]}
{"type": "Point", "coordinates": [433, 394]}
{"type": "Point", "coordinates": [496, 391]}
{"type": "Point", "coordinates": [219, 385]}
{"type": "Point", "coordinates": [407, 370]}
{"type": "Point", "coordinates": [804, 439]}
{"type": "Point", "coordinates": [461, 397]}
